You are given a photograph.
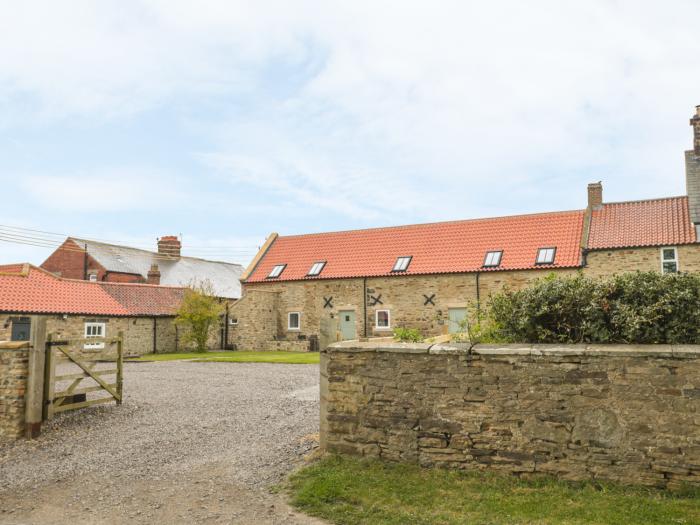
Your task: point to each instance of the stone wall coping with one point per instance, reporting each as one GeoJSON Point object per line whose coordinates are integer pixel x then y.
{"type": "Point", "coordinates": [14, 345]}
{"type": "Point", "coordinates": [562, 350]}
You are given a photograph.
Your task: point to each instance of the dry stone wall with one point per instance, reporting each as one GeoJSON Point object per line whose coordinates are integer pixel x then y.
{"type": "Point", "coordinates": [14, 360]}
{"type": "Point", "coordinates": [623, 413]}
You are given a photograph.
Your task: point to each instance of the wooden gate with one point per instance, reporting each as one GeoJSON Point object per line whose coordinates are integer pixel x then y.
{"type": "Point", "coordinates": [61, 390]}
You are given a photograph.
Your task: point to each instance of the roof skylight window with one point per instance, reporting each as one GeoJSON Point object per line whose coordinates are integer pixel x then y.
{"type": "Point", "coordinates": [276, 271]}
{"type": "Point", "coordinates": [402, 264]}
{"type": "Point", "coordinates": [546, 255]}
{"type": "Point", "coordinates": [493, 259]}
{"type": "Point", "coordinates": [317, 268]}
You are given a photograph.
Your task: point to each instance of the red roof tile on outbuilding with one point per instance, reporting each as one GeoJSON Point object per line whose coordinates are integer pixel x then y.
{"type": "Point", "coordinates": [28, 289]}
{"type": "Point", "coordinates": [444, 247]}
{"type": "Point", "coordinates": [656, 222]}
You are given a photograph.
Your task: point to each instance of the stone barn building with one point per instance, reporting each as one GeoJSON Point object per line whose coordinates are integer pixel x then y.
{"type": "Point", "coordinates": [364, 283]}
{"type": "Point", "coordinates": [81, 309]}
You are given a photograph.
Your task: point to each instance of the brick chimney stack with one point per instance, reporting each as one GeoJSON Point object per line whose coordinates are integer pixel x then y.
{"type": "Point", "coordinates": [692, 170]}
{"type": "Point", "coordinates": [153, 276]}
{"type": "Point", "coordinates": [169, 245]}
{"type": "Point", "coordinates": [595, 195]}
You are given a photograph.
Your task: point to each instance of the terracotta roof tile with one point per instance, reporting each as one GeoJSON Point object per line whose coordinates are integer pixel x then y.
{"type": "Point", "coordinates": [28, 289]}
{"type": "Point", "coordinates": [446, 247]}
{"type": "Point", "coordinates": [657, 222]}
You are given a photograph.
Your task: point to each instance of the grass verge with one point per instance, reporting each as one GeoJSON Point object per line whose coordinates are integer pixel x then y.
{"type": "Point", "coordinates": [348, 491]}
{"type": "Point", "coordinates": [303, 358]}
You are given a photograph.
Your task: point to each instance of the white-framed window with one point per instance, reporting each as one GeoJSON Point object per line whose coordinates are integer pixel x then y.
{"type": "Point", "coordinates": [93, 277]}
{"type": "Point", "coordinates": [382, 319]}
{"type": "Point", "coordinates": [493, 259]}
{"type": "Point", "coordinates": [96, 330]}
{"type": "Point", "coordinates": [317, 268]}
{"type": "Point", "coordinates": [401, 264]}
{"type": "Point", "coordinates": [294, 321]}
{"type": "Point", "coordinates": [669, 260]}
{"type": "Point", "coordinates": [546, 255]}
{"type": "Point", "coordinates": [277, 271]}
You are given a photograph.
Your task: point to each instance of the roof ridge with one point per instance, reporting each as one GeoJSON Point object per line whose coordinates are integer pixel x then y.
{"type": "Point", "coordinates": [674, 197]}
{"type": "Point", "coordinates": [150, 252]}
{"type": "Point", "coordinates": [426, 224]}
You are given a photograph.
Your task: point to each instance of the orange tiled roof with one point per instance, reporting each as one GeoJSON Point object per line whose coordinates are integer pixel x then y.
{"type": "Point", "coordinates": [27, 289]}
{"type": "Point", "coordinates": [656, 222]}
{"type": "Point", "coordinates": [444, 247]}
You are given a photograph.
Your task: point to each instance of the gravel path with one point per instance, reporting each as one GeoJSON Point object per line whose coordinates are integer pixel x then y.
{"type": "Point", "coordinates": [192, 443]}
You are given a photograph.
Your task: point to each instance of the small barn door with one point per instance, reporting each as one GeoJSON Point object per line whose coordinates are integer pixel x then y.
{"type": "Point", "coordinates": [20, 328]}
{"type": "Point", "coordinates": [456, 316]}
{"type": "Point", "coordinates": [347, 324]}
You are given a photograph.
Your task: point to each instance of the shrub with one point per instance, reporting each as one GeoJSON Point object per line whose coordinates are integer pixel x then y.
{"type": "Point", "coordinates": [641, 307]}
{"type": "Point", "coordinates": [198, 311]}
{"type": "Point", "coordinates": [408, 335]}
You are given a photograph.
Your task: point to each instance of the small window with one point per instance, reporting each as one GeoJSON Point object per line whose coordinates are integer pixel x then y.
{"type": "Point", "coordinates": [402, 264]}
{"type": "Point", "coordinates": [294, 321]}
{"type": "Point", "coordinates": [492, 259]}
{"type": "Point", "coordinates": [546, 255]}
{"type": "Point", "coordinates": [276, 271]}
{"type": "Point", "coordinates": [317, 267]}
{"type": "Point", "coordinates": [94, 330]}
{"type": "Point", "coordinates": [669, 260]}
{"type": "Point", "coordinates": [383, 320]}
{"type": "Point", "coordinates": [93, 277]}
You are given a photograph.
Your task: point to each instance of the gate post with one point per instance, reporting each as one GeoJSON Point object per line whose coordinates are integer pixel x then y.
{"type": "Point", "coordinates": [34, 398]}
{"type": "Point", "coordinates": [49, 373]}
{"type": "Point", "coordinates": [120, 367]}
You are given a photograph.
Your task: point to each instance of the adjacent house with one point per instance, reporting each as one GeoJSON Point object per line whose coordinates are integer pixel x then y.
{"type": "Point", "coordinates": [98, 261]}
{"type": "Point", "coordinates": [77, 309]}
{"type": "Point", "coordinates": [343, 285]}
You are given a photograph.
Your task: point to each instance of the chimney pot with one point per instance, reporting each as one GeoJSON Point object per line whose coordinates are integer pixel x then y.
{"type": "Point", "coordinates": [169, 245]}
{"type": "Point", "coordinates": [595, 195]}
{"type": "Point", "coordinates": [153, 276]}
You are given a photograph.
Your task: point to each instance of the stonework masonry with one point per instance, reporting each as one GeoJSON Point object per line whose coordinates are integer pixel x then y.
{"type": "Point", "coordinates": [14, 360]}
{"type": "Point", "coordinates": [138, 334]}
{"type": "Point", "coordinates": [629, 414]}
{"type": "Point", "coordinates": [262, 313]}
{"type": "Point", "coordinates": [604, 263]}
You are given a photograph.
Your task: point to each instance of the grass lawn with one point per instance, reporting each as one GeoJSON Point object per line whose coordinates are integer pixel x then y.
{"type": "Point", "coordinates": [302, 358]}
{"type": "Point", "coordinates": [349, 491]}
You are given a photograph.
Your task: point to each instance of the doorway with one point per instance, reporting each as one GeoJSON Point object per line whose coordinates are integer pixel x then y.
{"type": "Point", "coordinates": [347, 324]}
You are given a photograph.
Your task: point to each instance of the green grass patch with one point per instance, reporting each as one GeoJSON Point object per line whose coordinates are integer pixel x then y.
{"type": "Point", "coordinates": [348, 491]}
{"type": "Point", "coordinates": [302, 358]}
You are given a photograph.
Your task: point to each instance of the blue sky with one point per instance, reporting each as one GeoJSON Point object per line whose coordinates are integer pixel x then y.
{"type": "Point", "coordinates": [224, 121]}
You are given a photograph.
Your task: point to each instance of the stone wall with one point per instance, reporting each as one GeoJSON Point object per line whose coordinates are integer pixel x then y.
{"type": "Point", "coordinates": [604, 263]}
{"type": "Point", "coordinates": [262, 319]}
{"type": "Point", "coordinates": [138, 334]}
{"type": "Point", "coordinates": [14, 359]}
{"type": "Point", "coordinates": [622, 413]}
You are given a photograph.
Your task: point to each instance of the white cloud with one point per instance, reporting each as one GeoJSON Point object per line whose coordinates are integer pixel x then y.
{"type": "Point", "coordinates": [416, 109]}
{"type": "Point", "coordinates": [110, 190]}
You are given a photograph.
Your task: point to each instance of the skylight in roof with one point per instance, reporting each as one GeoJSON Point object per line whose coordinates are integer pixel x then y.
{"type": "Point", "coordinates": [276, 271]}
{"type": "Point", "coordinates": [317, 267]}
{"type": "Point", "coordinates": [401, 264]}
{"type": "Point", "coordinates": [546, 255]}
{"type": "Point", "coordinates": [493, 259]}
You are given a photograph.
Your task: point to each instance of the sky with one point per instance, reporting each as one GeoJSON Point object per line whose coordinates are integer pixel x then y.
{"type": "Point", "coordinates": [223, 121]}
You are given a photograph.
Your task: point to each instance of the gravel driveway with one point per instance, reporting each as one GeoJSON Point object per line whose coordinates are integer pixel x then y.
{"type": "Point", "coordinates": [192, 443]}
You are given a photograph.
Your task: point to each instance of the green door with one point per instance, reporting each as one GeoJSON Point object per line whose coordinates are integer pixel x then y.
{"type": "Point", "coordinates": [456, 316]}
{"type": "Point", "coordinates": [347, 324]}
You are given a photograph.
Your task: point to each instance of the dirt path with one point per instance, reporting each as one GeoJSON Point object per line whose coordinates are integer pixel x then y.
{"type": "Point", "coordinates": [193, 443]}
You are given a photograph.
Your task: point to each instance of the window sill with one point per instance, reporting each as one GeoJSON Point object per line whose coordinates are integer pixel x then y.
{"type": "Point", "coordinates": [382, 328]}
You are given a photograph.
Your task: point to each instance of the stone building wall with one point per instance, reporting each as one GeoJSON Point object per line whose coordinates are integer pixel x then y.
{"type": "Point", "coordinates": [14, 362]}
{"type": "Point", "coordinates": [262, 319]}
{"type": "Point", "coordinates": [138, 334]}
{"type": "Point", "coordinates": [603, 263]}
{"type": "Point", "coordinates": [622, 413]}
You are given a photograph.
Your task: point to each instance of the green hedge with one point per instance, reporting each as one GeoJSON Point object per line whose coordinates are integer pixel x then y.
{"type": "Point", "coordinates": [641, 307]}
